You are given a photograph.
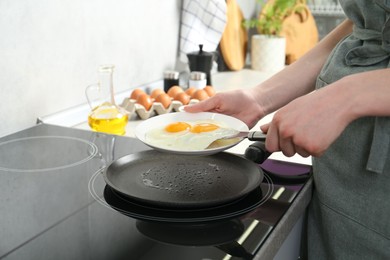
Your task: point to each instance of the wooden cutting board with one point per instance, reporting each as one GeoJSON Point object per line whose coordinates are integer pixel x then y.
{"type": "Point", "coordinates": [301, 33]}
{"type": "Point", "coordinates": [235, 38]}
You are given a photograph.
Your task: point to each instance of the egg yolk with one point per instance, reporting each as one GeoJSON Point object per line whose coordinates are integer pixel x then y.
{"type": "Point", "coordinates": [200, 128]}
{"type": "Point", "coordinates": [177, 127]}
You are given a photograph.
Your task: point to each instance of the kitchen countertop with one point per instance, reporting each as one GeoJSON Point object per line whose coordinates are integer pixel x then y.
{"type": "Point", "coordinates": [246, 78]}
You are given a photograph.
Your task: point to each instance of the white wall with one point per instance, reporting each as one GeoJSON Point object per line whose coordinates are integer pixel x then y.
{"type": "Point", "coordinates": [50, 51]}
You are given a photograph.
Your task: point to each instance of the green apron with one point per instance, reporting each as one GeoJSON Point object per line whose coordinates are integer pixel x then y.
{"type": "Point", "coordinates": [349, 215]}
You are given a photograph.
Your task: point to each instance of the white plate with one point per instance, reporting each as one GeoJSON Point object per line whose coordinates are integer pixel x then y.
{"type": "Point", "coordinates": [163, 120]}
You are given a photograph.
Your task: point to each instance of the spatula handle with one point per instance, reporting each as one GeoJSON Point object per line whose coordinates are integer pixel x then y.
{"type": "Point", "coordinates": [256, 136]}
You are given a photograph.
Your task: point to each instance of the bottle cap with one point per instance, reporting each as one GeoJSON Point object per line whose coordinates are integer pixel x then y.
{"type": "Point", "coordinates": [197, 75]}
{"type": "Point", "coordinates": [171, 74]}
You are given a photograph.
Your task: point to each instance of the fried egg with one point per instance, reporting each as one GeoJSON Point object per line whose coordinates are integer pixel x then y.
{"type": "Point", "coordinates": [188, 136]}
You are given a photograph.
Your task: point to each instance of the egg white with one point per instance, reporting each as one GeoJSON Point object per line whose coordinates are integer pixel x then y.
{"type": "Point", "coordinates": [186, 140]}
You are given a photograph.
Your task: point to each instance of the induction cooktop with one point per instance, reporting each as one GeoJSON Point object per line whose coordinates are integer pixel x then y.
{"type": "Point", "coordinates": [53, 204]}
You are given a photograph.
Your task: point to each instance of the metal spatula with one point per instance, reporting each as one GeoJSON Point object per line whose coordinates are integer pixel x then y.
{"type": "Point", "coordinates": [251, 135]}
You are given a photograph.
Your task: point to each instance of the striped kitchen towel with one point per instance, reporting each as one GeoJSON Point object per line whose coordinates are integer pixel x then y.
{"type": "Point", "coordinates": [202, 22]}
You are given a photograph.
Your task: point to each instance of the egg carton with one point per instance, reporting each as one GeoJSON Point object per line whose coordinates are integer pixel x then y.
{"type": "Point", "coordinates": [131, 106]}
{"type": "Point", "coordinates": [177, 104]}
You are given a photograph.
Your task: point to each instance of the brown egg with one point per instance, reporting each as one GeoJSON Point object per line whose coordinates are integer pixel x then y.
{"type": "Point", "coordinates": [183, 98]}
{"type": "Point", "coordinates": [174, 90]}
{"type": "Point", "coordinates": [145, 100]}
{"type": "Point", "coordinates": [200, 95]}
{"type": "Point", "coordinates": [136, 92]}
{"type": "Point", "coordinates": [190, 91]}
{"type": "Point", "coordinates": [164, 99]}
{"type": "Point", "coordinates": [156, 92]}
{"type": "Point", "coordinates": [210, 90]}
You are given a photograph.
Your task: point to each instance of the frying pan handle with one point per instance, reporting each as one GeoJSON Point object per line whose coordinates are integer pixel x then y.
{"type": "Point", "coordinates": [256, 152]}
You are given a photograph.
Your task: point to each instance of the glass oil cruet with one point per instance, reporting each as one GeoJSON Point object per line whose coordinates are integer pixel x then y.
{"type": "Point", "coordinates": [105, 116]}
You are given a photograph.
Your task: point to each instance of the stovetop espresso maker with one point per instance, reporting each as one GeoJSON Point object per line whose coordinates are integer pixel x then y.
{"type": "Point", "coordinates": [202, 61]}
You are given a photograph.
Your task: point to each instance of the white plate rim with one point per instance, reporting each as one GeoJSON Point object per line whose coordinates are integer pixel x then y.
{"type": "Point", "coordinates": [162, 120]}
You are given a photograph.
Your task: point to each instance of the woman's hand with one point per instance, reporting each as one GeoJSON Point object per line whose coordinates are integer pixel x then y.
{"type": "Point", "coordinates": [310, 124]}
{"type": "Point", "coordinates": [237, 103]}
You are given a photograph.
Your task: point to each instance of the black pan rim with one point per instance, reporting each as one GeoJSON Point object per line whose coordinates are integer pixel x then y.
{"type": "Point", "coordinates": [253, 181]}
{"type": "Point", "coordinates": [134, 210]}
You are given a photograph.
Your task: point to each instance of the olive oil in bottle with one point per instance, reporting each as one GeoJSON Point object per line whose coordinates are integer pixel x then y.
{"type": "Point", "coordinates": [105, 115]}
{"type": "Point", "coordinates": [107, 119]}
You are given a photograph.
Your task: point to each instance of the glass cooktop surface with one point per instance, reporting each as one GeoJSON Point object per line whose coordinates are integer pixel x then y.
{"type": "Point", "coordinates": [55, 204]}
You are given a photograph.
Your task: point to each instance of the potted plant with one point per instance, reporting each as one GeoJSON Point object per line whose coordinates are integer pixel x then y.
{"type": "Point", "coordinates": [268, 47]}
{"type": "Point", "coordinates": [272, 14]}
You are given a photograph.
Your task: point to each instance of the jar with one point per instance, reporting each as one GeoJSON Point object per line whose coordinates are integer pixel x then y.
{"type": "Point", "coordinates": [171, 78]}
{"type": "Point", "coordinates": [105, 115]}
{"type": "Point", "coordinates": [197, 80]}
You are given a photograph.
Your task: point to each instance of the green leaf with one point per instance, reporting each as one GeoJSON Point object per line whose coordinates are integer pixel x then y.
{"type": "Point", "coordinates": [272, 16]}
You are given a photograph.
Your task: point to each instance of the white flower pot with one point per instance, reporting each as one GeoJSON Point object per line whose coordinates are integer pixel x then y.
{"type": "Point", "coordinates": [268, 53]}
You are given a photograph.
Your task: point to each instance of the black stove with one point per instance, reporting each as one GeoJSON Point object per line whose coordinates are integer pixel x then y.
{"type": "Point", "coordinates": [55, 204]}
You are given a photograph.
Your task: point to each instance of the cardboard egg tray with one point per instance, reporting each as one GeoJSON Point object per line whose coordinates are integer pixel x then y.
{"type": "Point", "coordinates": [131, 106]}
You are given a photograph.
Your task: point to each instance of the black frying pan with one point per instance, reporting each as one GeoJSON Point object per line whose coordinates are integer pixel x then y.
{"type": "Point", "coordinates": [182, 181]}
{"type": "Point", "coordinates": [141, 211]}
